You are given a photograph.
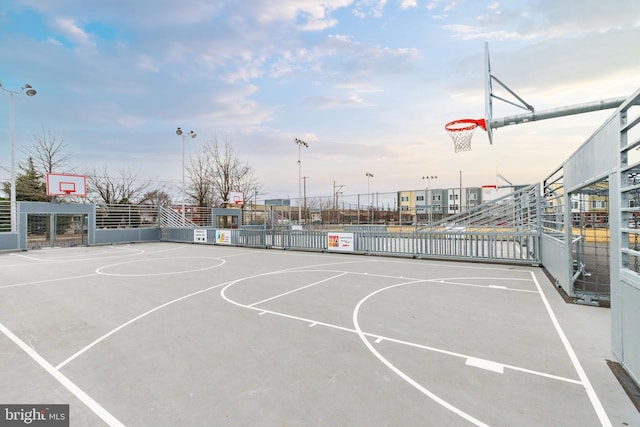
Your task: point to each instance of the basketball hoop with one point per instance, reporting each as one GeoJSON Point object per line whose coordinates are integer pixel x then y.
{"type": "Point", "coordinates": [461, 132]}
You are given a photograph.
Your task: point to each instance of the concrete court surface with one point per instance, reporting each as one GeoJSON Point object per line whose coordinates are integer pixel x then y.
{"type": "Point", "coordinates": [164, 334]}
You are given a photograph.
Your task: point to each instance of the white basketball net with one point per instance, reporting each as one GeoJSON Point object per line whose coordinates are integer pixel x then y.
{"type": "Point", "coordinates": [461, 134]}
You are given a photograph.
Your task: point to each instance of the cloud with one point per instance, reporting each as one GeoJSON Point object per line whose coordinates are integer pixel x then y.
{"type": "Point", "coordinates": [549, 19]}
{"type": "Point", "coordinates": [353, 97]}
{"type": "Point", "coordinates": [408, 4]}
{"type": "Point", "coordinates": [72, 32]}
{"type": "Point", "coordinates": [367, 8]}
{"type": "Point", "coordinates": [146, 63]}
{"type": "Point", "coordinates": [234, 107]}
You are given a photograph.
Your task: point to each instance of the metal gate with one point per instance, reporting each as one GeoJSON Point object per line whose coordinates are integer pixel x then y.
{"type": "Point", "coordinates": [56, 230]}
{"type": "Point", "coordinates": [592, 240]}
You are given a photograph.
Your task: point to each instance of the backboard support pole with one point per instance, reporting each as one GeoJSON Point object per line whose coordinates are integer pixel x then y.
{"type": "Point", "coordinates": [605, 104]}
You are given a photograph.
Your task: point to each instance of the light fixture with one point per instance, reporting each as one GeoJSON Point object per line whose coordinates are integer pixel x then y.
{"type": "Point", "coordinates": [30, 91]}
{"type": "Point", "coordinates": [300, 143]}
{"type": "Point", "coordinates": [193, 135]}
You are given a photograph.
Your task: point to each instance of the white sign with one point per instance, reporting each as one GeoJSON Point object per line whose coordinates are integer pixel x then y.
{"type": "Point", "coordinates": [340, 242]}
{"type": "Point", "coordinates": [223, 237]}
{"type": "Point", "coordinates": [200, 236]}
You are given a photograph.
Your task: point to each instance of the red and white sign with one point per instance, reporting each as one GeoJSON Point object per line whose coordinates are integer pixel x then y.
{"type": "Point", "coordinates": [340, 242]}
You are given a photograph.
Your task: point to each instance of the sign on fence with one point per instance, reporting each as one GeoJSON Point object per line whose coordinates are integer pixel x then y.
{"type": "Point", "coordinates": [223, 237]}
{"type": "Point", "coordinates": [340, 242]}
{"type": "Point", "coordinates": [200, 236]}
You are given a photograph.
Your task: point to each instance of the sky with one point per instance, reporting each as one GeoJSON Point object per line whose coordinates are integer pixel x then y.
{"type": "Point", "coordinates": [367, 84]}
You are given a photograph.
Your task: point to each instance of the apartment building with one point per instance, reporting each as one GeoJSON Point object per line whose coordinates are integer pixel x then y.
{"type": "Point", "coordinates": [429, 205]}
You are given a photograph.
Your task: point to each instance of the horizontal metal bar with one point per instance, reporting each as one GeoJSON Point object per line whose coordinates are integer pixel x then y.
{"type": "Point", "coordinates": [557, 112]}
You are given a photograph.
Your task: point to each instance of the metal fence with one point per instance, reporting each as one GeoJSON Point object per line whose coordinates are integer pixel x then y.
{"type": "Point", "coordinates": [512, 246]}
{"type": "Point", "coordinates": [5, 216]}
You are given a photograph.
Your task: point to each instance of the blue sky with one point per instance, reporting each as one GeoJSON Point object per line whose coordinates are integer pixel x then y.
{"type": "Point", "coordinates": [368, 84]}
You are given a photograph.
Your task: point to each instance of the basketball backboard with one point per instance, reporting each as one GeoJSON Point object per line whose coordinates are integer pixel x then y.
{"type": "Point", "coordinates": [461, 130]}
{"type": "Point", "coordinates": [236, 198]}
{"type": "Point", "coordinates": [66, 185]}
{"type": "Point", "coordinates": [488, 91]}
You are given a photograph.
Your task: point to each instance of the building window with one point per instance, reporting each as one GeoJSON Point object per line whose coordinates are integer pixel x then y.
{"type": "Point", "coordinates": [419, 198]}
{"type": "Point", "coordinates": [436, 198]}
{"type": "Point", "coordinates": [473, 196]}
{"type": "Point", "coordinates": [404, 208]}
{"type": "Point", "coordinates": [599, 204]}
{"type": "Point", "coordinates": [404, 198]}
{"type": "Point", "coordinates": [453, 207]}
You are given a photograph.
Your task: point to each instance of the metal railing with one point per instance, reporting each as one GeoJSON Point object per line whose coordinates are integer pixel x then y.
{"type": "Point", "coordinates": [490, 246]}
{"type": "Point", "coordinates": [5, 216]}
{"type": "Point", "coordinates": [126, 216]}
{"type": "Point", "coordinates": [169, 218]}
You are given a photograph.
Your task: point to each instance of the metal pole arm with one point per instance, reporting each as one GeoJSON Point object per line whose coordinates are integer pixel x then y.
{"type": "Point", "coordinates": [557, 112]}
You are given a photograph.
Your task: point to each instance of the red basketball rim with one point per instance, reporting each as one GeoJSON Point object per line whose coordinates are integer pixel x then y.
{"type": "Point", "coordinates": [462, 125]}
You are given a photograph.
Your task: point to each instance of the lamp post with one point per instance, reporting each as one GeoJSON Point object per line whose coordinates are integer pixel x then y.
{"type": "Point", "coordinates": [428, 205]}
{"type": "Point", "coordinates": [192, 134]}
{"type": "Point", "coordinates": [29, 91]}
{"type": "Point", "coordinates": [369, 176]}
{"type": "Point", "coordinates": [300, 143]}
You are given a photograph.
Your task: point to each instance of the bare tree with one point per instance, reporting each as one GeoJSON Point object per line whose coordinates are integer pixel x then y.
{"type": "Point", "coordinates": [156, 198]}
{"type": "Point", "coordinates": [227, 172]}
{"type": "Point", "coordinates": [123, 187]}
{"type": "Point", "coordinates": [216, 171]}
{"type": "Point", "coordinates": [47, 153]}
{"type": "Point", "coordinates": [200, 188]}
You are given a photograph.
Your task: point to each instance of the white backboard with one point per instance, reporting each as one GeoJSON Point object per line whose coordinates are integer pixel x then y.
{"type": "Point", "coordinates": [66, 185]}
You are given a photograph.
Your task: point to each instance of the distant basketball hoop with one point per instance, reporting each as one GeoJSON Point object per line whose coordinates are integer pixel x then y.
{"type": "Point", "coordinates": [236, 199]}
{"type": "Point", "coordinates": [461, 131]}
{"type": "Point", "coordinates": [66, 185]}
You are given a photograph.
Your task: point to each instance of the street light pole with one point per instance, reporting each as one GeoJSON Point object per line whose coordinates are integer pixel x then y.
{"type": "Point", "coordinates": [29, 91]}
{"type": "Point", "coordinates": [369, 176]}
{"type": "Point", "coordinates": [428, 205]}
{"type": "Point", "coordinates": [300, 143]}
{"type": "Point", "coordinates": [193, 135]}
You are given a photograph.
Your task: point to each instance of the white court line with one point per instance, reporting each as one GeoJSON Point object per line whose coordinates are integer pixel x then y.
{"type": "Point", "coordinates": [471, 285]}
{"type": "Point", "coordinates": [399, 372]}
{"type": "Point", "coordinates": [94, 406]}
{"type": "Point", "coordinates": [485, 364]}
{"type": "Point", "coordinates": [62, 259]}
{"type": "Point", "coordinates": [298, 289]}
{"type": "Point", "coordinates": [595, 402]}
{"type": "Point", "coordinates": [105, 336]}
{"type": "Point", "coordinates": [113, 331]}
{"type": "Point", "coordinates": [467, 356]}
{"type": "Point", "coordinates": [168, 273]}
{"type": "Point", "coordinates": [380, 338]}
{"type": "Point", "coordinates": [28, 257]}
{"type": "Point", "coordinates": [38, 282]}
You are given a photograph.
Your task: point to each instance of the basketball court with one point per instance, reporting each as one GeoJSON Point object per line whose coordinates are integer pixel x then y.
{"type": "Point", "coordinates": [165, 334]}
